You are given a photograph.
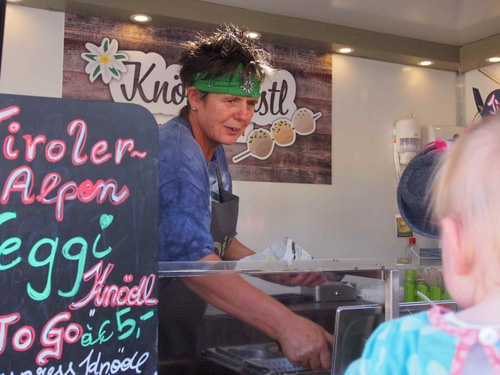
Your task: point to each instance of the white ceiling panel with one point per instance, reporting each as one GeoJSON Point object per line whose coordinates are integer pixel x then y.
{"type": "Point", "coordinates": [453, 22]}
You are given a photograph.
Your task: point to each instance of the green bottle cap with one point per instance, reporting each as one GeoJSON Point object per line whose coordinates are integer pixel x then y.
{"type": "Point", "coordinates": [411, 275]}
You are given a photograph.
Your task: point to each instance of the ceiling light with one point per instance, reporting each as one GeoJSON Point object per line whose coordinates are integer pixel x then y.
{"type": "Point", "coordinates": [493, 59]}
{"type": "Point", "coordinates": [345, 50]}
{"type": "Point", "coordinates": [14, 1]}
{"type": "Point", "coordinates": [140, 18]}
{"type": "Point", "coordinates": [426, 63]}
{"type": "Point", "coordinates": [253, 34]}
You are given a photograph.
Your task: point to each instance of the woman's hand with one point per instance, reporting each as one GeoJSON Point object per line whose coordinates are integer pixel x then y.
{"type": "Point", "coordinates": [306, 344]}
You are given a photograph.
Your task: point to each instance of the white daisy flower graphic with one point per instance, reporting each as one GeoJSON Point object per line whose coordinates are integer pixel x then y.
{"type": "Point", "coordinates": [247, 86]}
{"type": "Point", "coordinates": [105, 60]}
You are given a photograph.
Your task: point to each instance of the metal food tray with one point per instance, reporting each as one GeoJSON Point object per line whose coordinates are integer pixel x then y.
{"type": "Point", "coordinates": [259, 359]}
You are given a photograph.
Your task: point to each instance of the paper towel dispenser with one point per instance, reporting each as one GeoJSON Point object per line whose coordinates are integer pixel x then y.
{"type": "Point", "coordinates": [430, 133]}
{"type": "Point", "coordinates": [410, 138]}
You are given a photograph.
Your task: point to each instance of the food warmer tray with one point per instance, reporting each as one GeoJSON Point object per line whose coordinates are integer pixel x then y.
{"type": "Point", "coordinates": [257, 359]}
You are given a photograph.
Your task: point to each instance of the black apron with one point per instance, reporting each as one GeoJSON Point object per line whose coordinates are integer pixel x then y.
{"type": "Point", "coordinates": [180, 310]}
{"type": "Point", "coordinates": [224, 218]}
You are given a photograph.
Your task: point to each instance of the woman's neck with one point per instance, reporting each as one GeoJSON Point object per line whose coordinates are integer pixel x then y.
{"type": "Point", "coordinates": [208, 147]}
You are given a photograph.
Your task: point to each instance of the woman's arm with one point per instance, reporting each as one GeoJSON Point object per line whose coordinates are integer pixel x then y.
{"type": "Point", "coordinates": [304, 343]}
{"type": "Point", "coordinates": [237, 250]}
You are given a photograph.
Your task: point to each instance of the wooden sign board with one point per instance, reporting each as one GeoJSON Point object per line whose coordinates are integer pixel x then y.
{"type": "Point", "coordinates": [78, 237]}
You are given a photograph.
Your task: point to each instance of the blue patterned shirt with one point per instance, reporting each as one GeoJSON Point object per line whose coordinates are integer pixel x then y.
{"type": "Point", "coordinates": [187, 184]}
{"type": "Point", "coordinates": [429, 343]}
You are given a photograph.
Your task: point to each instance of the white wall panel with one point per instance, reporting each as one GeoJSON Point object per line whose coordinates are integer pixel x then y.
{"type": "Point", "coordinates": [32, 57]}
{"type": "Point", "coordinates": [354, 217]}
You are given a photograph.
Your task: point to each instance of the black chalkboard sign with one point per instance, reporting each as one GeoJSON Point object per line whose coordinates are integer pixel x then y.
{"type": "Point", "coordinates": [492, 104]}
{"type": "Point", "coordinates": [78, 237]}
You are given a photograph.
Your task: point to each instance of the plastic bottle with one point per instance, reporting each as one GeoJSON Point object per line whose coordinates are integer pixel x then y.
{"type": "Point", "coordinates": [424, 289]}
{"type": "Point", "coordinates": [446, 295]}
{"type": "Point", "coordinates": [435, 293]}
{"type": "Point", "coordinates": [412, 252]}
{"type": "Point", "coordinates": [410, 285]}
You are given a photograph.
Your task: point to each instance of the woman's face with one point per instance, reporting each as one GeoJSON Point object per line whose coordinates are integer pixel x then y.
{"type": "Point", "coordinates": [222, 118]}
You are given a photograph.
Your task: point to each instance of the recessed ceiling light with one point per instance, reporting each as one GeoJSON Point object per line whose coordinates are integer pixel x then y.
{"type": "Point", "coordinates": [140, 18]}
{"type": "Point", "coordinates": [426, 63]}
{"type": "Point", "coordinates": [253, 34]}
{"type": "Point", "coordinates": [345, 50]}
{"type": "Point", "coordinates": [493, 59]}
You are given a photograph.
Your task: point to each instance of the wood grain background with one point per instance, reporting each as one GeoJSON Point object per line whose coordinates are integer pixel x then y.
{"type": "Point", "coordinates": [308, 160]}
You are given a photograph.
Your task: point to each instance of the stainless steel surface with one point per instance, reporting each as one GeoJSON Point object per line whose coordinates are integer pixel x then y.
{"type": "Point", "coordinates": [218, 330]}
{"type": "Point", "coordinates": [253, 354]}
{"type": "Point", "coordinates": [256, 359]}
{"type": "Point", "coordinates": [368, 267]}
{"type": "Point", "coordinates": [391, 294]}
{"type": "Point", "coordinates": [331, 291]}
{"type": "Point", "coordinates": [353, 326]}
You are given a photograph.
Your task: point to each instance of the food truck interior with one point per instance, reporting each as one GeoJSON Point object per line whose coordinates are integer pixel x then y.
{"type": "Point", "coordinates": [345, 214]}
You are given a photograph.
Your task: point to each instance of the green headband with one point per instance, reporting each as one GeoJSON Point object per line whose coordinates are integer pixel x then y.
{"type": "Point", "coordinates": [225, 84]}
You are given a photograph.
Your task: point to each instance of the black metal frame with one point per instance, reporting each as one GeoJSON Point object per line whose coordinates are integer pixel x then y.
{"type": "Point", "coordinates": [3, 9]}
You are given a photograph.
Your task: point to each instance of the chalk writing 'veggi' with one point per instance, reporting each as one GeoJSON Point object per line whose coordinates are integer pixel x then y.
{"type": "Point", "coordinates": [10, 250]}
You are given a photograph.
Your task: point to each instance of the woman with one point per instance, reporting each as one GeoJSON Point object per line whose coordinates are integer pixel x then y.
{"type": "Point", "coordinates": [198, 212]}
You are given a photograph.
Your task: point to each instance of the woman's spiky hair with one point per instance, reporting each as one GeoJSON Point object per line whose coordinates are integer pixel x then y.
{"type": "Point", "coordinates": [222, 52]}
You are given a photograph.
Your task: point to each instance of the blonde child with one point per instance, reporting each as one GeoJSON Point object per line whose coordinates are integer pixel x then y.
{"type": "Point", "coordinates": [465, 200]}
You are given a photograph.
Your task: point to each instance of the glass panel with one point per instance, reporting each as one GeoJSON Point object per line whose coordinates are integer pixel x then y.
{"type": "Point", "coordinates": [179, 269]}
{"type": "Point", "coordinates": [199, 338]}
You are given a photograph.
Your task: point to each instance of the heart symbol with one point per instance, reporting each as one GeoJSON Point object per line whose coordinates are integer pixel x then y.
{"type": "Point", "coordinates": [105, 221]}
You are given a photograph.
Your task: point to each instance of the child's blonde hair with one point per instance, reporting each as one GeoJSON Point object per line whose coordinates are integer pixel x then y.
{"type": "Point", "coordinates": [466, 186]}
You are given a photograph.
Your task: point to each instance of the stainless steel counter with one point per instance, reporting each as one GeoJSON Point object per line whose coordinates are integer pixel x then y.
{"type": "Point", "coordinates": [381, 269]}
{"type": "Point", "coordinates": [221, 340]}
